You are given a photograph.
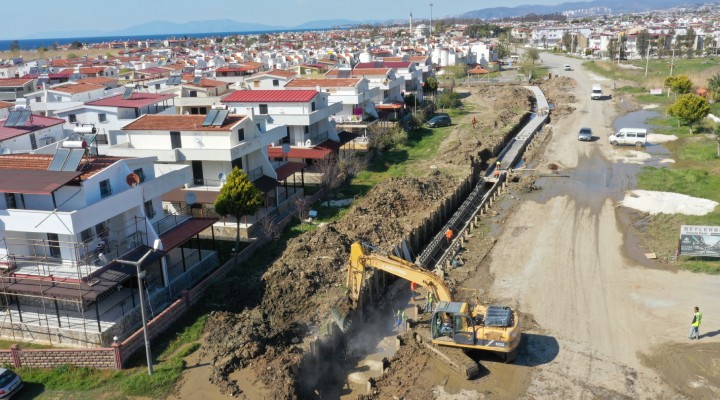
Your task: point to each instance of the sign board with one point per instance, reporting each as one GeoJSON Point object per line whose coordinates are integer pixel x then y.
{"type": "Point", "coordinates": [656, 91]}
{"type": "Point", "coordinates": [701, 241]}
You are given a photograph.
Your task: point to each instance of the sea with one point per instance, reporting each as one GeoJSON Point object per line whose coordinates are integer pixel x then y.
{"type": "Point", "coordinates": [34, 44]}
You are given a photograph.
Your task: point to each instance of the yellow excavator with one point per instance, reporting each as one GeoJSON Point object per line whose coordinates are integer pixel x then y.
{"type": "Point", "coordinates": [453, 325]}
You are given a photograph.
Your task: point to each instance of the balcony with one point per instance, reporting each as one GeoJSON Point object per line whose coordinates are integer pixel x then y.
{"type": "Point", "coordinates": [307, 119]}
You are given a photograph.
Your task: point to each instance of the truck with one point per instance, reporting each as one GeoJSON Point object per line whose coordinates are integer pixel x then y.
{"type": "Point", "coordinates": [596, 92]}
{"type": "Point", "coordinates": [454, 326]}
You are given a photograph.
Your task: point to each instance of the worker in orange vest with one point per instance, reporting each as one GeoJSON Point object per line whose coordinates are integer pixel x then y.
{"type": "Point", "coordinates": [496, 173]}
{"type": "Point", "coordinates": [449, 235]}
{"type": "Point", "coordinates": [413, 289]}
{"type": "Point", "coordinates": [474, 121]}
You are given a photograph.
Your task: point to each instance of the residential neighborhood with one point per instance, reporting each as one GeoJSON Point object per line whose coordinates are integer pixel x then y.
{"type": "Point", "coordinates": [146, 182]}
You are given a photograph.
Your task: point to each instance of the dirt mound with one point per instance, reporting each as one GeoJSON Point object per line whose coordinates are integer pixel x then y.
{"type": "Point", "coordinates": [558, 92]}
{"type": "Point", "coordinates": [307, 280]}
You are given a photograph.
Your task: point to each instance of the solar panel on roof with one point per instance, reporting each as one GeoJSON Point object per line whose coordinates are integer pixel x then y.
{"type": "Point", "coordinates": [174, 80]}
{"type": "Point", "coordinates": [128, 93]}
{"type": "Point", "coordinates": [23, 118]}
{"type": "Point", "coordinates": [59, 159]}
{"type": "Point", "coordinates": [220, 118]}
{"type": "Point", "coordinates": [73, 160]}
{"type": "Point", "coordinates": [197, 79]}
{"type": "Point", "coordinates": [12, 118]}
{"type": "Point", "coordinates": [211, 115]}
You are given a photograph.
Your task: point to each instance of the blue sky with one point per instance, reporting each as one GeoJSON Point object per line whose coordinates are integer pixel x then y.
{"type": "Point", "coordinates": [20, 18]}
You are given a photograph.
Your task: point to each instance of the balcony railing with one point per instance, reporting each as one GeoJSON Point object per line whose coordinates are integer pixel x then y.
{"type": "Point", "coordinates": [255, 174]}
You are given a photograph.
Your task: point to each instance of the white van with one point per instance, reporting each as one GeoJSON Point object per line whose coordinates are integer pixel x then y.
{"type": "Point", "coordinates": [596, 92]}
{"type": "Point", "coordinates": [631, 136]}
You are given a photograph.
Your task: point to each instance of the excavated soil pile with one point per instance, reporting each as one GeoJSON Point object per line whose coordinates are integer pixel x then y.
{"type": "Point", "coordinates": [558, 92]}
{"type": "Point", "coordinates": [303, 284]}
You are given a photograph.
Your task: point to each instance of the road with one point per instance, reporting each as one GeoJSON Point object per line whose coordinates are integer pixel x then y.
{"type": "Point", "coordinates": [620, 326]}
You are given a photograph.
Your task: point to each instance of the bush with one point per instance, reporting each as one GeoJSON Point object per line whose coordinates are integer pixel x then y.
{"type": "Point", "coordinates": [449, 99]}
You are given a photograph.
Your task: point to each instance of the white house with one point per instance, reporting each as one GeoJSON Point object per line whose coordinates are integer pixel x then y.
{"type": "Point", "coordinates": [37, 131]}
{"type": "Point", "coordinates": [67, 218]}
{"type": "Point", "coordinates": [60, 97]}
{"type": "Point", "coordinates": [354, 93]}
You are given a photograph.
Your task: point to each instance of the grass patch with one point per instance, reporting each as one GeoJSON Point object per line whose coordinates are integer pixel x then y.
{"type": "Point", "coordinates": [156, 386]}
{"type": "Point", "coordinates": [698, 150]}
{"type": "Point", "coordinates": [692, 182]}
{"type": "Point", "coordinates": [5, 344]}
{"type": "Point", "coordinates": [70, 378]}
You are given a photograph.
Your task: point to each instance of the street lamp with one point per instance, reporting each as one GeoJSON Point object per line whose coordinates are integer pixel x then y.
{"type": "Point", "coordinates": [431, 6]}
{"type": "Point", "coordinates": [140, 276]}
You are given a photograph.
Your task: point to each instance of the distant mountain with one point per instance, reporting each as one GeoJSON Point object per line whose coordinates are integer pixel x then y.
{"type": "Point", "coordinates": [615, 6]}
{"type": "Point", "coordinates": [211, 26]}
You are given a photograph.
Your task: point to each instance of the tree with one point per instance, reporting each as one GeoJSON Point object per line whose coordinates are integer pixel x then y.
{"type": "Point", "coordinates": [457, 71]}
{"type": "Point", "coordinates": [717, 138]}
{"type": "Point", "coordinates": [643, 42]}
{"type": "Point", "coordinates": [350, 164]}
{"type": "Point", "coordinates": [690, 109]}
{"type": "Point", "coordinates": [330, 177]}
{"type": "Point", "coordinates": [15, 45]}
{"type": "Point", "coordinates": [688, 43]}
{"type": "Point", "coordinates": [76, 45]}
{"type": "Point", "coordinates": [448, 99]}
{"type": "Point", "coordinates": [532, 54]}
{"type": "Point", "coordinates": [714, 86]}
{"type": "Point", "coordinates": [238, 197]}
{"type": "Point", "coordinates": [430, 85]}
{"type": "Point", "coordinates": [679, 84]}
{"type": "Point", "coordinates": [566, 41]}
{"type": "Point", "coordinates": [613, 48]}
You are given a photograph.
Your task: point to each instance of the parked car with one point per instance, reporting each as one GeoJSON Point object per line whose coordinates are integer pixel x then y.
{"type": "Point", "coordinates": [585, 134]}
{"type": "Point", "coordinates": [440, 120]}
{"type": "Point", "coordinates": [10, 383]}
{"type": "Point", "coordinates": [567, 67]}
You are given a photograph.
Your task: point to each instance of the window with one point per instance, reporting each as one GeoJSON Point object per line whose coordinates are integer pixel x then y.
{"type": "Point", "coordinates": [193, 93]}
{"type": "Point", "coordinates": [141, 174]}
{"type": "Point", "coordinates": [38, 99]}
{"type": "Point", "coordinates": [10, 201]}
{"type": "Point", "coordinates": [263, 108]}
{"type": "Point", "coordinates": [33, 141]}
{"type": "Point", "coordinates": [312, 106]}
{"type": "Point", "coordinates": [241, 135]}
{"type": "Point", "coordinates": [236, 163]}
{"type": "Point", "coordinates": [157, 86]}
{"type": "Point", "coordinates": [86, 235]}
{"type": "Point", "coordinates": [175, 141]}
{"type": "Point", "coordinates": [102, 117]}
{"type": "Point", "coordinates": [256, 84]}
{"type": "Point", "coordinates": [101, 229]}
{"type": "Point", "coordinates": [307, 129]}
{"type": "Point", "coordinates": [72, 118]}
{"type": "Point", "coordinates": [276, 82]}
{"type": "Point", "coordinates": [149, 209]}
{"type": "Point", "coordinates": [105, 188]}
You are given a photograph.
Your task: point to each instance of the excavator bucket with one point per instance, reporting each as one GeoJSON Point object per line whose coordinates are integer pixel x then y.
{"type": "Point", "coordinates": [340, 318]}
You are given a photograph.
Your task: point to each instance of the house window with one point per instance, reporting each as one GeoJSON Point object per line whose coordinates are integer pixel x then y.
{"type": "Point", "coordinates": [72, 118]}
{"type": "Point", "coordinates": [86, 235]}
{"type": "Point", "coordinates": [157, 86]}
{"type": "Point", "coordinates": [256, 84]}
{"type": "Point", "coordinates": [175, 141]}
{"type": "Point", "coordinates": [263, 108]}
{"type": "Point", "coordinates": [33, 141]}
{"type": "Point", "coordinates": [102, 117]}
{"type": "Point", "coordinates": [149, 209]}
{"type": "Point", "coordinates": [312, 106]}
{"type": "Point", "coordinates": [276, 82]}
{"type": "Point", "coordinates": [141, 174]}
{"type": "Point", "coordinates": [193, 93]}
{"type": "Point", "coordinates": [236, 163]}
{"type": "Point", "coordinates": [38, 99]}
{"type": "Point", "coordinates": [105, 188]}
{"type": "Point", "coordinates": [10, 201]}
{"type": "Point", "coordinates": [101, 229]}
{"type": "Point", "coordinates": [307, 129]}
{"type": "Point", "coordinates": [241, 135]}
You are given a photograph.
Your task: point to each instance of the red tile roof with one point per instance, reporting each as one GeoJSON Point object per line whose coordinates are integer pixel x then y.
{"type": "Point", "coordinates": [155, 122]}
{"type": "Point", "coordinates": [137, 100]}
{"type": "Point", "coordinates": [185, 231]}
{"type": "Point", "coordinates": [12, 82]}
{"type": "Point", "coordinates": [98, 80]}
{"type": "Point", "coordinates": [299, 152]}
{"type": "Point", "coordinates": [92, 70]}
{"type": "Point", "coordinates": [74, 88]}
{"type": "Point", "coordinates": [326, 82]}
{"type": "Point", "coordinates": [34, 124]}
{"type": "Point", "coordinates": [270, 96]}
{"type": "Point", "coordinates": [5, 104]}
{"type": "Point", "coordinates": [361, 72]}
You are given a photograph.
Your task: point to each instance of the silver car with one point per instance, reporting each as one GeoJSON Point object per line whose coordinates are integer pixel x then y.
{"type": "Point", "coordinates": [10, 383]}
{"type": "Point", "coordinates": [585, 134]}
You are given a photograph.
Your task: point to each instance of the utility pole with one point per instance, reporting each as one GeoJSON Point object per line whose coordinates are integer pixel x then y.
{"type": "Point", "coordinates": [672, 62]}
{"type": "Point", "coordinates": [647, 59]}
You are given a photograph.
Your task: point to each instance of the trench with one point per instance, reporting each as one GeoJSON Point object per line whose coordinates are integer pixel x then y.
{"type": "Point", "coordinates": [341, 364]}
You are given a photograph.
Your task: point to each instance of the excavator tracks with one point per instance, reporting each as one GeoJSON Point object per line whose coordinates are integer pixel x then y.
{"type": "Point", "coordinates": [454, 356]}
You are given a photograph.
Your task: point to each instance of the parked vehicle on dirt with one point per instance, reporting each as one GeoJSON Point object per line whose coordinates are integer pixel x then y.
{"type": "Point", "coordinates": [597, 93]}
{"type": "Point", "coordinates": [585, 134]}
{"type": "Point", "coordinates": [629, 136]}
{"type": "Point", "coordinates": [567, 67]}
{"type": "Point", "coordinates": [10, 383]}
{"type": "Point", "coordinates": [440, 120]}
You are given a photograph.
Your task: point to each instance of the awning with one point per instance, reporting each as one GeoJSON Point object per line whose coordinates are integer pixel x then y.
{"type": "Point", "coordinates": [185, 231]}
{"type": "Point", "coordinates": [299, 152]}
{"type": "Point", "coordinates": [265, 183]}
{"type": "Point", "coordinates": [33, 181]}
{"type": "Point", "coordinates": [288, 169]}
{"type": "Point", "coordinates": [391, 106]}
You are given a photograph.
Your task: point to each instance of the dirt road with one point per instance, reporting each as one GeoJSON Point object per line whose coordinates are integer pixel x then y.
{"type": "Point", "coordinates": [618, 324]}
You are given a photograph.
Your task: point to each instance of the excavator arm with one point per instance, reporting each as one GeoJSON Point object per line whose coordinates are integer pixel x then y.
{"type": "Point", "coordinates": [360, 260]}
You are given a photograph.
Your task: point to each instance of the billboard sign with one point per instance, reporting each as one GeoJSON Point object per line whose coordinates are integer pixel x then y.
{"type": "Point", "coordinates": [701, 241]}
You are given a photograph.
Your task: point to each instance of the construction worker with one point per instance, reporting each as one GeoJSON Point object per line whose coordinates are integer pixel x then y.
{"type": "Point", "coordinates": [403, 320]}
{"type": "Point", "coordinates": [429, 300]}
{"type": "Point", "coordinates": [695, 327]}
{"type": "Point", "coordinates": [449, 235]}
{"type": "Point", "coordinates": [413, 289]}
{"type": "Point", "coordinates": [496, 173]}
{"type": "Point", "coordinates": [474, 121]}
{"type": "Point", "coordinates": [398, 318]}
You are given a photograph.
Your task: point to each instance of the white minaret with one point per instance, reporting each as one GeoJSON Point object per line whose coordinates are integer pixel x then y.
{"type": "Point", "coordinates": [411, 31]}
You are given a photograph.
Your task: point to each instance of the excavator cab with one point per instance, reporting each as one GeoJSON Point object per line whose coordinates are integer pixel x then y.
{"type": "Point", "coordinates": [451, 323]}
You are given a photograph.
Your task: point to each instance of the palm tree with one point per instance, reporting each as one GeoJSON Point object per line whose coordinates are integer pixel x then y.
{"type": "Point", "coordinates": [714, 86]}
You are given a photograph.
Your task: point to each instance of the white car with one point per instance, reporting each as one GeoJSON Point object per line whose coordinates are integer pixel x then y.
{"type": "Point", "coordinates": [567, 67]}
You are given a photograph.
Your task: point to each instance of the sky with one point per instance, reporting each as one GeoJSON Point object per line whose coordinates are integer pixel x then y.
{"type": "Point", "coordinates": [18, 20]}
